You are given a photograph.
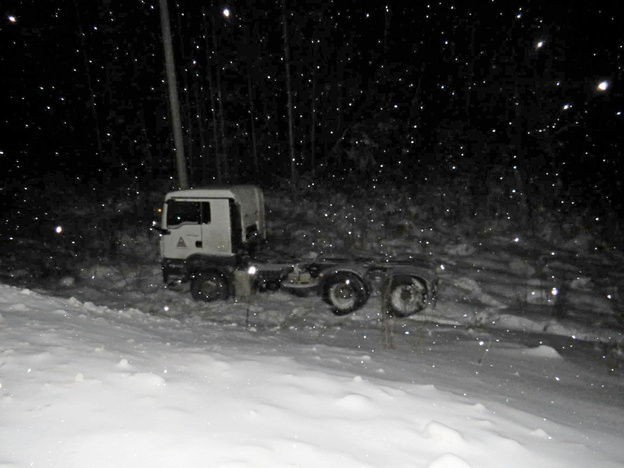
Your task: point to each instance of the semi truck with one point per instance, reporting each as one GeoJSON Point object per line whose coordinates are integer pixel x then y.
{"type": "Point", "coordinates": [214, 239]}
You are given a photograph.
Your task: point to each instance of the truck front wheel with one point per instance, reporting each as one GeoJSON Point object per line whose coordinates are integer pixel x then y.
{"type": "Point", "coordinates": [209, 286]}
{"type": "Point", "coordinates": [345, 293]}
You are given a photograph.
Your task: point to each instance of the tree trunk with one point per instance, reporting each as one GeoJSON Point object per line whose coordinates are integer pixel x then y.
{"type": "Point", "coordinates": [92, 105]}
{"type": "Point", "coordinates": [313, 113]}
{"type": "Point", "coordinates": [472, 57]}
{"type": "Point", "coordinates": [222, 156]}
{"type": "Point", "coordinates": [252, 117]}
{"type": "Point", "coordinates": [213, 109]}
{"type": "Point", "coordinates": [147, 152]}
{"type": "Point", "coordinates": [201, 130]}
{"type": "Point", "coordinates": [387, 17]}
{"type": "Point", "coordinates": [146, 161]}
{"type": "Point", "coordinates": [291, 138]}
{"type": "Point", "coordinates": [173, 96]}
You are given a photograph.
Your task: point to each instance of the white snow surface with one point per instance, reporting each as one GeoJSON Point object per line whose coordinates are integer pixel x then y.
{"type": "Point", "coordinates": [92, 386]}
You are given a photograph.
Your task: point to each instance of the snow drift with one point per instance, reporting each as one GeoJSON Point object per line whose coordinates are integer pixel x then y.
{"type": "Point", "coordinates": [83, 385]}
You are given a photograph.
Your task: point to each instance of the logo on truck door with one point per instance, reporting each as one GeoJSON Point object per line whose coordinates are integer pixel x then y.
{"type": "Point", "coordinates": [181, 244]}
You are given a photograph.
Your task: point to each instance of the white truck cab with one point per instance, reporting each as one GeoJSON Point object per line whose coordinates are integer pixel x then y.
{"type": "Point", "coordinates": [213, 224]}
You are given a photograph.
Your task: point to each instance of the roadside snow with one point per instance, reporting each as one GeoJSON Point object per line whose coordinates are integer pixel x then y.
{"type": "Point", "coordinates": [85, 385]}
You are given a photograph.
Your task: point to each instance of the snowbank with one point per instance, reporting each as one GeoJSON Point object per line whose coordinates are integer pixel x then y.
{"type": "Point", "coordinates": [82, 385]}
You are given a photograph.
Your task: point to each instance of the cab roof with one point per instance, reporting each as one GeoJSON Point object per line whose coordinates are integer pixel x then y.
{"type": "Point", "coordinates": [236, 192]}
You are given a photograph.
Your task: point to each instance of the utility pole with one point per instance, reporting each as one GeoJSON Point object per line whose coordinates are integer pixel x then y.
{"type": "Point", "coordinates": [173, 96]}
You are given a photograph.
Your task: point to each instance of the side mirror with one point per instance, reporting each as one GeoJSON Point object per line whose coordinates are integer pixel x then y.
{"type": "Point", "coordinates": [156, 227]}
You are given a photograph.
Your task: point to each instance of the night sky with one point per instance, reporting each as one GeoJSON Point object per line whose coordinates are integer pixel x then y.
{"type": "Point", "coordinates": [524, 97]}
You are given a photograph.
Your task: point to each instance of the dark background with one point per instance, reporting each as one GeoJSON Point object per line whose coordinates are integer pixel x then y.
{"type": "Point", "coordinates": [455, 98]}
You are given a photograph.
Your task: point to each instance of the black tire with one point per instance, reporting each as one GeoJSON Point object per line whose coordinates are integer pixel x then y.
{"type": "Point", "coordinates": [209, 286]}
{"type": "Point", "coordinates": [405, 296]}
{"type": "Point", "coordinates": [345, 292]}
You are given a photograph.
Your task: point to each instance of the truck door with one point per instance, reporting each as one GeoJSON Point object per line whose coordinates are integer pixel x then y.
{"type": "Point", "coordinates": [216, 227]}
{"type": "Point", "coordinates": [196, 227]}
{"type": "Point", "coordinates": [182, 236]}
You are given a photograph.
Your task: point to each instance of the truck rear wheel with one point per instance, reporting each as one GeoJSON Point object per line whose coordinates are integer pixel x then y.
{"type": "Point", "coordinates": [345, 292]}
{"type": "Point", "coordinates": [209, 286]}
{"type": "Point", "coordinates": [405, 295]}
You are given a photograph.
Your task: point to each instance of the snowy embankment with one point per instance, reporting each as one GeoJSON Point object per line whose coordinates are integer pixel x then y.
{"type": "Point", "coordinates": [555, 280]}
{"type": "Point", "coordinates": [493, 274]}
{"type": "Point", "coordinates": [83, 385]}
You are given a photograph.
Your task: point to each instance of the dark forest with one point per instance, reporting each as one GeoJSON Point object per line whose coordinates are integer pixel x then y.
{"type": "Point", "coordinates": [503, 108]}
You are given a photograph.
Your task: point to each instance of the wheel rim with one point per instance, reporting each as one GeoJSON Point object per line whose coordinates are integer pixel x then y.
{"type": "Point", "coordinates": [342, 295]}
{"type": "Point", "coordinates": [407, 298]}
{"type": "Point", "coordinates": [210, 288]}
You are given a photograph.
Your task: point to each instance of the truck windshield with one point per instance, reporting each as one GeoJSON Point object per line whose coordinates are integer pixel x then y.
{"type": "Point", "coordinates": [189, 212]}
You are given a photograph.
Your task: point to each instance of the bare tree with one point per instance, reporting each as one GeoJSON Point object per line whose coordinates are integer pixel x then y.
{"type": "Point", "coordinates": [92, 104]}
{"type": "Point", "coordinates": [222, 158]}
{"type": "Point", "coordinates": [252, 118]}
{"type": "Point", "coordinates": [313, 111]}
{"type": "Point", "coordinates": [291, 138]}
{"type": "Point", "coordinates": [213, 110]}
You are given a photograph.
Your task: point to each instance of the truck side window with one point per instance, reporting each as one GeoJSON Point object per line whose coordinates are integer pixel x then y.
{"type": "Point", "coordinates": [182, 212]}
{"type": "Point", "coordinates": [235, 220]}
{"type": "Point", "coordinates": [205, 212]}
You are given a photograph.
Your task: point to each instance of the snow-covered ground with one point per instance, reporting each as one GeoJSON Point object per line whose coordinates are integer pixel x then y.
{"type": "Point", "coordinates": [85, 385]}
{"type": "Point", "coordinates": [518, 364]}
